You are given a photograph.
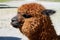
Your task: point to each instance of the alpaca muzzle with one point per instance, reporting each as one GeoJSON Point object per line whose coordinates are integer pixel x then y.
{"type": "Point", "coordinates": [14, 22]}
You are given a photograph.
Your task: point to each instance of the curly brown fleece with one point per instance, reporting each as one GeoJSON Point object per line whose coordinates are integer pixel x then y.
{"type": "Point", "coordinates": [38, 26]}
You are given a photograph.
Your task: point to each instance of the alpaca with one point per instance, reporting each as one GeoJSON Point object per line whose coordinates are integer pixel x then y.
{"type": "Point", "coordinates": [33, 20]}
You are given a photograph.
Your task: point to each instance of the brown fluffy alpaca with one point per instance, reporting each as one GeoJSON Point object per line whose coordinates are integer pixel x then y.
{"type": "Point", "coordinates": [35, 23]}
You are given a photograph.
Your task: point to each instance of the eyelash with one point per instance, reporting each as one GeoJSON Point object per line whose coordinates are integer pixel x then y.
{"type": "Point", "coordinates": [27, 16]}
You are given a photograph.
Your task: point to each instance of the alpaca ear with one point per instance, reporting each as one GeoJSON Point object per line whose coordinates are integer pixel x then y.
{"type": "Point", "coordinates": [48, 12]}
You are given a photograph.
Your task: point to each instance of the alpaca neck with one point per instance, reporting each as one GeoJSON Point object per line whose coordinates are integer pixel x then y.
{"type": "Point", "coordinates": [46, 34]}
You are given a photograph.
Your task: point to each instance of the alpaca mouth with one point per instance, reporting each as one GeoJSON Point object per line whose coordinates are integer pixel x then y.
{"type": "Point", "coordinates": [16, 24]}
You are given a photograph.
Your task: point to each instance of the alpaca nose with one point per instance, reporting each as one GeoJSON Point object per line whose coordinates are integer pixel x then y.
{"type": "Point", "coordinates": [14, 19]}
{"type": "Point", "coordinates": [14, 22]}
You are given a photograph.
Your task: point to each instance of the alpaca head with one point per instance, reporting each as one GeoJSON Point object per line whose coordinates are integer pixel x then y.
{"type": "Point", "coordinates": [29, 18]}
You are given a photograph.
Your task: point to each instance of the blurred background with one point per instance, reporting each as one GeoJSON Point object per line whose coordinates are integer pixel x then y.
{"type": "Point", "coordinates": [25, 0]}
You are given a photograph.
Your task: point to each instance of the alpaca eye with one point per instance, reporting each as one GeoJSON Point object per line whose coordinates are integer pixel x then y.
{"type": "Point", "coordinates": [27, 16]}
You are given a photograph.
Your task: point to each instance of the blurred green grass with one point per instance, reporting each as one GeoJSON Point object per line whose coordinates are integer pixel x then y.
{"type": "Point", "coordinates": [4, 0]}
{"type": "Point", "coordinates": [37, 0]}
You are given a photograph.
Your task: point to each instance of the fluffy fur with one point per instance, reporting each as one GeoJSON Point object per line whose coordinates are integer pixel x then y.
{"type": "Point", "coordinates": [38, 26]}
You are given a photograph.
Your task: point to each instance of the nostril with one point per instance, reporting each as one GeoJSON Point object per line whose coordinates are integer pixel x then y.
{"type": "Point", "coordinates": [14, 19]}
